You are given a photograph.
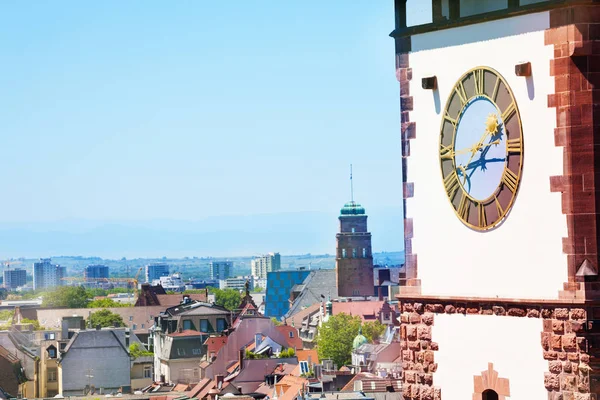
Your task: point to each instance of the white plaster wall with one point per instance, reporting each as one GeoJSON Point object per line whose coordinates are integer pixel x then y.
{"type": "Point", "coordinates": [522, 258]}
{"type": "Point", "coordinates": [467, 343]}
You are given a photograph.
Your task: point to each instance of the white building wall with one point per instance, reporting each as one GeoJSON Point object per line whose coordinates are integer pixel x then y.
{"type": "Point", "coordinates": [521, 258]}
{"type": "Point", "coordinates": [467, 343]}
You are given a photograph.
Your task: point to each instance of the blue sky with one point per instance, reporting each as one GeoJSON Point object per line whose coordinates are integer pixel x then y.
{"type": "Point", "coordinates": [182, 110]}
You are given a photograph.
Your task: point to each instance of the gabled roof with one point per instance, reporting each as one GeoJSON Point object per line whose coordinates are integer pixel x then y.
{"type": "Point", "coordinates": [303, 355]}
{"type": "Point", "coordinates": [198, 388]}
{"type": "Point", "coordinates": [294, 342]}
{"type": "Point", "coordinates": [98, 339]}
{"type": "Point", "coordinates": [318, 283]}
{"type": "Point", "coordinates": [196, 308]}
{"type": "Point", "coordinates": [214, 344]}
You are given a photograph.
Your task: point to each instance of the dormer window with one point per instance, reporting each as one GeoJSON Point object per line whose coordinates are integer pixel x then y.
{"type": "Point", "coordinates": [51, 352]}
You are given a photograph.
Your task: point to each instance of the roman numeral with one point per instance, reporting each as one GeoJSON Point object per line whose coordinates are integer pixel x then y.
{"type": "Point", "coordinates": [478, 81]}
{"type": "Point", "coordinates": [482, 217]}
{"type": "Point", "coordinates": [451, 184]}
{"type": "Point", "coordinates": [448, 118]}
{"type": "Point", "coordinates": [510, 180]}
{"type": "Point", "coordinates": [509, 112]}
{"type": "Point", "coordinates": [514, 145]}
{"type": "Point", "coordinates": [496, 86]}
{"type": "Point", "coordinates": [463, 207]}
{"type": "Point", "coordinates": [498, 207]}
{"type": "Point", "coordinates": [446, 152]}
{"type": "Point", "coordinates": [460, 91]}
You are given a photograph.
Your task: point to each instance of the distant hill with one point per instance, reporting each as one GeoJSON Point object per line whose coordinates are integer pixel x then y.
{"type": "Point", "coordinates": [223, 236]}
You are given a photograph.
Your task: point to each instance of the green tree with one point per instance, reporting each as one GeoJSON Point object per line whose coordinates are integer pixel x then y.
{"type": "Point", "coordinates": [66, 296]}
{"type": "Point", "coordinates": [106, 303]}
{"type": "Point", "coordinates": [373, 330]}
{"type": "Point", "coordinates": [228, 298]}
{"type": "Point", "coordinates": [135, 351]}
{"type": "Point", "coordinates": [34, 322]}
{"type": "Point", "coordinates": [257, 289]}
{"type": "Point", "coordinates": [275, 321]}
{"type": "Point", "coordinates": [335, 338]}
{"type": "Point", "coordinates": [105, 318]}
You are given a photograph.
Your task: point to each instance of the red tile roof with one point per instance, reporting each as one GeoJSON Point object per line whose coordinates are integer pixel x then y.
{"type": "Point", "coordinates": [364, 309]}
{"type": "Point", "coordinates": [170, 300]}
{"type": "Point", "coordinates": [303, 355]}
{"type": "Point", "coordinates": [294, 342]}
{"type": "Point", "coordinates": [214, 344]}
{"type": "Point", "coordinates": [187, 332]}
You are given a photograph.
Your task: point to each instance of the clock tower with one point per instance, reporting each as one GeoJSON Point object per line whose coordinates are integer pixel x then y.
{"type": "Point", "coordinates": [501, 159]}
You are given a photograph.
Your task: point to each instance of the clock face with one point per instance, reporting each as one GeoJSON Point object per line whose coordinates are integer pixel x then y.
{"type": "Point", "coordinates": [481, 148]}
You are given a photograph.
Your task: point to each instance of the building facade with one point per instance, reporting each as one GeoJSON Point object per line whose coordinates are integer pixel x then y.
{"type": "Point", "coordinates": [155, 271]}
{"type": "Point", "coordinates": [237, 283]}
{"type": "Point", "coordinates": [262, 265]}
{"type": "Point", "coordinates": [47, 275]}
{"type": "Point", "coordinates": [95, 272]}
{"type": "Point", "coordinates": [501, 295]}
{"type": "Point", "coordinates": [354, 258]}
{"type": "Point", "coordinates": [14, 278]}
{"type": "Point", "coordinates": [220, 270]}
{"type": "Point", "coordinates": [279, 287]}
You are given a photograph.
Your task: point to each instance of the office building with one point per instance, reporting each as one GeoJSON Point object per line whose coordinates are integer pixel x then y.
{"type": "Point", "coordinates": [95, 272]}
{"type": "Point", "coordinates": [220, 269]}
{"type": "Point", "coordinates": [279, 288]}
{"type": "Point", "coordinates": [14, 278]}
{"type": "Point", "coordinates": [262, 265]}
{"type": "Point", "coordinates": [156, 270]}
{"type": "Point", "coordinates": [47, 275]}
{"type": "Point", "coordinates": [237, 283]}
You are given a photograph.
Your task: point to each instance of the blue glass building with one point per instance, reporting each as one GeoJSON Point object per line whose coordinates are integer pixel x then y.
{"type": "Point", "coordinates": [279, 286]}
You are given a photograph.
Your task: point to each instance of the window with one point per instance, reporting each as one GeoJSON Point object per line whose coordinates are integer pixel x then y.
{"type": "Point", "coordinates": [134, 327]}
{"type": "Point", "coordinates": [187, 324]}
{"type": "Point", "coordinates": [353, 230]}
{"type": "Point", "coordinates": [221, 325]}
{"type": "Point", "coordinates": [204, 325]}
{"type": "Point", "coordinates": [180, 351]}
{"type": "Point", "coordinates": [343, 253]}
{"type": "Point", "coordinates": [355, 292]}
{"type": "Point", "coordinates": [292, 334]}
{"type": "Point", "coordinates": [147, 371]}
{"type": "Point", "coordinates": [196, 352]}
{"type": "Point", "coordinates": [364, 253]}
{"type": "Point", "coordinates": [49, 336]}
{"type": "Point", "coordinates": [52, 352]}
{"type": "Point", "coordinates": [142, 326]}
{"type": "Point", "coordinates": [304, 367]}
{"type": "Point", "coordinates": [52, 372]}
{"type": "Point", "coordinates": [131, 317]}
{"type": "Point", "coordinates": [354, 253]}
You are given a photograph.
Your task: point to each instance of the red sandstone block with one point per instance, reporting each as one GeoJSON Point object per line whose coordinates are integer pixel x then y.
{"type": "Point", "coordinates": [552, 100]}
{"type": "Point", "coordinates": [593, 31]}
{"type": "Point", "coordinates": [404, 116]}
{"type": "Point", "coordinates": [581, 203]}
{"type": "Point", "coordinates": [406, 103]}
{"type": "Point", "coordinates": [405, 147]}
{"type": "Point", "coordinates": [587, 114]}
{"type": "Point", "coordinates": [579, 32]}
{"type": "Point", "coordinates": [586, 14]}
{"type": "Point", "coordinates": [561, 83]}
{"type": "Point", "coordinates": [404, 88]}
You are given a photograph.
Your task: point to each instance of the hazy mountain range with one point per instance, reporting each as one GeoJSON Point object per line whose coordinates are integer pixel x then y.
{"type": "Point", "coordinates": [287, 233]}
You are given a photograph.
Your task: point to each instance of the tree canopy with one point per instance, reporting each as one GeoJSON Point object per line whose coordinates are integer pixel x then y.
{"type": "Point", "coordinates": [66, 296]}
{"type": "Point", "coordinates": [105, 318]}
{"type": "Point", "coordinates": [106, 303]}
{"type": "Point", "coordinates": [228, 298]}
{"type": "Point", "coordinates": [135, 351]}
{"type": "Point", "coordinates": [373, 330]}
{"type": "Point", "coordinates": [335, 338]}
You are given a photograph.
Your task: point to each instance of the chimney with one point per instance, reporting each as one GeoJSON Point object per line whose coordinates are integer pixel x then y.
{"type": "Point", "coordinates": [65, 329]}
{"type": "Point", "coordinates": [257, 340]}
{"type": "Point", "coordinates": [380, 293]}
{"type": "Point", "coordinates": [127, 340]}
{"type": "Point", "coordinates": [219, 380]}
{"type": "Point", "coordinates": [241, 358]}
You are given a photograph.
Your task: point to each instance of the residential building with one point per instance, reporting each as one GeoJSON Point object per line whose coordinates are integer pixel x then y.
{"type": "Point", "coordinates": [262, 265]}
{"type": "Point", "coordinates": [354, 259]}
{"type": "Point", "coordinates": [179, 336]}
{"type": "Point", "coordinates": [220, 270]}
{"type": "Point", "coordinates": [11, 373]}
{"type": "Point", "coordinates": [95, 361]}
{"type": "Point", "coordinates": [155, 271]}
{"type": "Point", "coordinates": [47, 275]}
{"type": "Point", "coordinates": [156, 296]}
{"type": "Point", "coordinates": [318, 285]}
{"type": "Point", "coordinates": [95, 271]}
{"type": "Point", "coordinates": [14, 278]}
{"type": "Point", "coordinates": [237, 283]}
{"type": "Point", "coordinates": [279, 287]}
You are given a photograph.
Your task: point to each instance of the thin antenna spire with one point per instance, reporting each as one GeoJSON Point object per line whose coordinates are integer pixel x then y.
{"type": "Point", "coordinates": [351, 185]}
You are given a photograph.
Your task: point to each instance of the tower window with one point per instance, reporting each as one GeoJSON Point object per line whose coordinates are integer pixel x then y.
{"type": "Point", "coordinates": [489, 394]}
{"type": "Point", "coordinates": [364, 253]}
{"type": "Point", "coordinates": [343, 253]}
{"type": "Point", "coordinates": [354, 253]}
{"type": "Point", "coordinates": [353, 230]}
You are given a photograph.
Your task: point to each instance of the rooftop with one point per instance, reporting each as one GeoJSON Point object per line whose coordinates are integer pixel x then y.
{"type": "Point", "coordinates": [353, 208]}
